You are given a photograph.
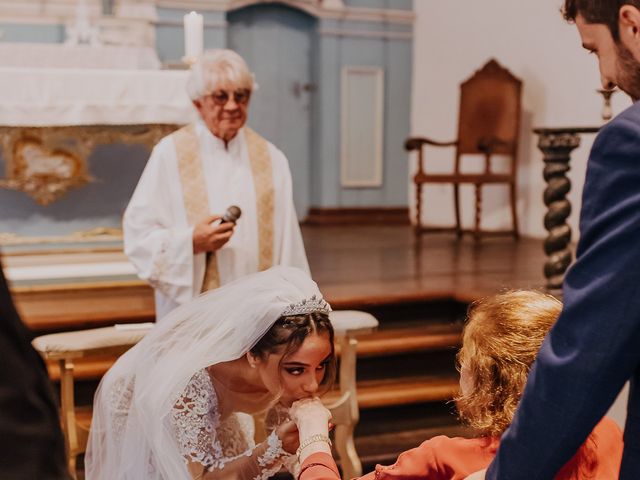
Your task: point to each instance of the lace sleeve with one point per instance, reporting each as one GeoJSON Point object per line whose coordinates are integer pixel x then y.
{"type": "Point", "coordinates": [197, 428]}
{"type": "Point", "coordinates": [259, 463]}
{"type": "Point", "coordinates": [195, 418]}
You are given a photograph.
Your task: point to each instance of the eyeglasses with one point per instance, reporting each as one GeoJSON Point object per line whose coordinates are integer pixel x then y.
{"type": "Point", "coordinates": [221, 97]}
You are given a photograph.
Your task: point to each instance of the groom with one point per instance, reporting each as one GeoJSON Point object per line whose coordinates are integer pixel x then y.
{"type": "Point", "coordinates": [594, 347]}
{"type": "Point", "coordinates": [31, 443]}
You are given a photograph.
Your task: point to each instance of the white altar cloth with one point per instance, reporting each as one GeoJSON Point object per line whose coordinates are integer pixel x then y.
{"type": "Point", "coordinates": [65, 271]}
{"type": "Point", "coordinates": [56, 55]}
{"type": "Point", "coordinates": [59, 268]}
{"type": "Point", "coordinates": [45, 97]}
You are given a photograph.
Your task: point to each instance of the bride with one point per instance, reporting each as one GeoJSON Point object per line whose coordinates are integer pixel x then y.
{"type": "Point", "coordinates": [173, 407]}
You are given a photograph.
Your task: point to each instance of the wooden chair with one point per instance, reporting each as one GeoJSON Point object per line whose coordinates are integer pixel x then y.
{"type": "Point", "coordinates": [67, 347]}
{"type": "Point", "coordinates": [488, 125]}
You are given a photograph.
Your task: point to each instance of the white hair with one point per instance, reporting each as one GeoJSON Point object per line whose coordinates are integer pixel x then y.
{"type": "Point", "coordinates": [218, 67]}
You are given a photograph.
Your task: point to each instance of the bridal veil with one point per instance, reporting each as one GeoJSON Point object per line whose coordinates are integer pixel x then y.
{"type": "Point", "coordinates": [131, 436]}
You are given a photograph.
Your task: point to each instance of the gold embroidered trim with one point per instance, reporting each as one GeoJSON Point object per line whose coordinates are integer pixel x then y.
{"type": "Point", "coordinates": [196, 201]}
{"type": "Point", "coordinates": [261, 170]}
{"type": "Point", "coordinates": [194, 192]}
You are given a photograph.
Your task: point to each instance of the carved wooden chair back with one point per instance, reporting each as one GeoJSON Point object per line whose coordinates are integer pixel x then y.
{"type": "Point", "coordinates": [489, 117]}
{"type": "Point", "coordinates": [488, 125]}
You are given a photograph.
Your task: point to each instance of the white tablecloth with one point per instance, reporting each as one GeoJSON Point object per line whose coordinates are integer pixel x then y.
{"type": "Point", "coordinates": [69, 96]}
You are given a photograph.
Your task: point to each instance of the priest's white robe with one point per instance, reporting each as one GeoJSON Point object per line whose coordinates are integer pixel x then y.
{"type": "Point", "coordinates": [158, 238]}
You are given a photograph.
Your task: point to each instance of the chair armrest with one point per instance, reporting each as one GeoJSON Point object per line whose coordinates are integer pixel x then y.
{"type": "Point", "coordinates": [415, 143]}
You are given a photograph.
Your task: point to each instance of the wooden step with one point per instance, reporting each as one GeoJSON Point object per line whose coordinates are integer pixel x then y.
{"type": "Point", "coordinates": [84, 368]}
{"type": "Point", "coordinates": [381, 343]}
{"type": "Point", "coordinates": [83, 416]}
{"type": "Point", "coordinates": [407, 340]}
{"type": "Point", "coordinates": [402, 391]}
{"type": "Point", "coordinates": [371, 394]}
{"type": "Point", "coordinates": [384, 448]}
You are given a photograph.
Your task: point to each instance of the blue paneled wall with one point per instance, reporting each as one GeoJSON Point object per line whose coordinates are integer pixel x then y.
{"type": "Point", "coordinates": [32, 33]}
{"type": "Point", "coordinates": [354, 40]}
{"type": "Point", "coordinates": [394, 56]}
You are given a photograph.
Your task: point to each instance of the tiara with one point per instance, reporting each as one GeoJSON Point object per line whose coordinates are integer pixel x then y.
{"type": "Point", "coordinates": [308, 305]}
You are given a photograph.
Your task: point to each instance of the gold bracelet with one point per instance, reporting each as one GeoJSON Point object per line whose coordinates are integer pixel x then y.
{"type": "Point", "coordinates": [312, 439]}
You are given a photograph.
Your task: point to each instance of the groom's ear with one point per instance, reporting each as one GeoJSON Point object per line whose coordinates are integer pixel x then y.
{"type": "Point", "coordinates": [629, 28]}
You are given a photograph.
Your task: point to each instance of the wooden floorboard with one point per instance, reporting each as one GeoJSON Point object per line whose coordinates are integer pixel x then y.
{"type": "Point", "coordinates": [384, 448]}
{"type": "Point", "coordinates": [381, 265]}
{"type": "Point", "coordinates": [402, 391]}
{"type": "Point", "coordinates": [404, 340]}
{"type": "Point", "coordinates": [355, 266]}
{"type": "Point", "coordinates": [418, 287]}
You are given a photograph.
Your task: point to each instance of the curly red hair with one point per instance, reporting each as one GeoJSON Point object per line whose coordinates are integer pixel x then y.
{"type": "Point", "coordinates": [500, 341]}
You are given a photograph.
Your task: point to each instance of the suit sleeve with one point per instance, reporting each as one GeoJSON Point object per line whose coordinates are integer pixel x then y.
{"type": "Point", "coordinates": [31, 442]}
{"type": "Point", "coordinates": [593, 348]}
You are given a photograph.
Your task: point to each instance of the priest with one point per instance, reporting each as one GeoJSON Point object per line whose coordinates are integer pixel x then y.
{"type": "Point", "coordinates": [173, 233]}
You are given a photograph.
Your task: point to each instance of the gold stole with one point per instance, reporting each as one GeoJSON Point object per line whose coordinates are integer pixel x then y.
{"type": "Point", "coordinates": [196, 201]}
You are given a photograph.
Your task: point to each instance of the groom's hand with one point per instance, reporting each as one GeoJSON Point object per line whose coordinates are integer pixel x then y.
{"type": "Point", "coordinates": [288, 434]}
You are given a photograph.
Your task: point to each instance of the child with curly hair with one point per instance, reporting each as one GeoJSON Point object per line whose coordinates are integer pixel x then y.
{"type": "Point", "coordinates": [500, 341]}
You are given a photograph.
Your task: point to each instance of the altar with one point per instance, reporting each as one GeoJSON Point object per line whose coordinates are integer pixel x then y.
{"type": "Point", "coordinates": [74, 142]}
{"type": "Point", "coordinates": [55, 97]}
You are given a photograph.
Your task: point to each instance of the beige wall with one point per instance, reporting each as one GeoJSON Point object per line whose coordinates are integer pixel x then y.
{"type": "Point", "coordinates": [452, 40]}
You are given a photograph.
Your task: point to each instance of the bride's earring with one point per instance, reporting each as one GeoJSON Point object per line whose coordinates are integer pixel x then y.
{"type": "Point", "coordinates": [251, 360]}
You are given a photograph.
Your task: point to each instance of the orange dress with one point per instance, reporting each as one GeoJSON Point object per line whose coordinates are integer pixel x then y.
{"type": "Point", "coordinates": [456, 458]}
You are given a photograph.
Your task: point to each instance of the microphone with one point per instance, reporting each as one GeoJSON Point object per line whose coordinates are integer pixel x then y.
{"type": "Point", "coordinates": [231, 215]}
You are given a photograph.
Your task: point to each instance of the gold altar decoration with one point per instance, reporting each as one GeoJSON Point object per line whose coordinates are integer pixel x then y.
{"type": "Point", "coordinates": [44, 172]}
{"type": "Point", "coordinates": [46, 162]}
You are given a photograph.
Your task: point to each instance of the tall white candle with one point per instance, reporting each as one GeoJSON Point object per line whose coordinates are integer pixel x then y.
{"type": "Point", "coordinates": [193, 28]}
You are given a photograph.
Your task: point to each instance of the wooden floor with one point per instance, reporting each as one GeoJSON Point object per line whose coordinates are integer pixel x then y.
{"type": "Point", "coordinates": [417, 288]}
{"type": "Point", "coordinates": [355, 266]}
{"type": "Point", "coordinates": [381, 265]}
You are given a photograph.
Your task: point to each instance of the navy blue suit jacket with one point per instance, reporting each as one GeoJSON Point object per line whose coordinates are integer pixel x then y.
{"type": "Point", "coordinates": [594, 348]}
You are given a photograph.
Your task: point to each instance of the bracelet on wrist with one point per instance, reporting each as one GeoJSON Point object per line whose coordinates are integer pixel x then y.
{"type": "Point", "coordinates": [312, 439]}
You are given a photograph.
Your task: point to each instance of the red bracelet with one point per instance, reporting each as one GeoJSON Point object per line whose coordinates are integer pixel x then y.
{"type": "Point", "coordinates": [315, 464]}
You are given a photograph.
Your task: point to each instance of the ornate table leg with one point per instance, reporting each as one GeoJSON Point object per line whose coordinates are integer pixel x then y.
{"type": "Point", "coordinates": [557, 148]}
{"type": "Point", "coordinates": [347, 324]}
{"type": "Point", "coordinates": [345, 412]}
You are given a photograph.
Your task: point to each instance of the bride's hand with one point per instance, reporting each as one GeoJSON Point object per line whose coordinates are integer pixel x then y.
{"type": "Point", "coordinates": [288, 434]}
{"type": "Point", "coordinates": [311, 417]}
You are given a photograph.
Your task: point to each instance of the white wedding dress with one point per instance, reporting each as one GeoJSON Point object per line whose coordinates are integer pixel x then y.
{"type": "Point", "coordinates": [156, 411]}
{"type": "Point", "coordinates": [205, 439]}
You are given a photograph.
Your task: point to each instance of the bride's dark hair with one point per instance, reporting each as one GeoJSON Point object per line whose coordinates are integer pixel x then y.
{"type": "Point", "coordinates": [290, 331]}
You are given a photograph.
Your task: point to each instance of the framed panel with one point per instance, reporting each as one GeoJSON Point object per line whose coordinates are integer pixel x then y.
{"type": "Point", "coordinates": [362, 126]}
